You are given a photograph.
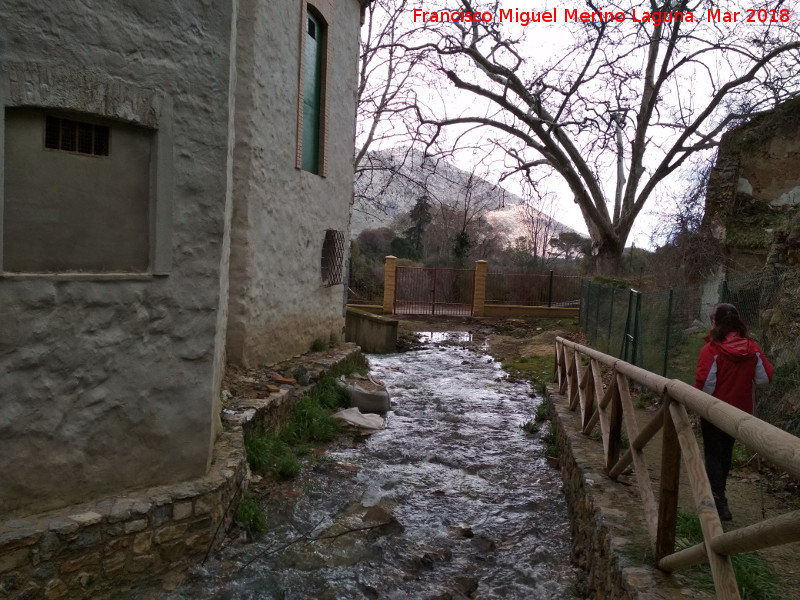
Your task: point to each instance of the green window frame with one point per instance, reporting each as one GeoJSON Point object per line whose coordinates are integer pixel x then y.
{"type": "Point", "coordinates": [312, 93]}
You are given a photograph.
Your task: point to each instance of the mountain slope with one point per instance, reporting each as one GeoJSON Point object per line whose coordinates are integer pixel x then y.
{"type": "Point", "coordinates": [391, 181]}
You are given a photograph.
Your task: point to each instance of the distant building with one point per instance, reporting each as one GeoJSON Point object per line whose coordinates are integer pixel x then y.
{"type": "Point", "coordinates": [175, 187]}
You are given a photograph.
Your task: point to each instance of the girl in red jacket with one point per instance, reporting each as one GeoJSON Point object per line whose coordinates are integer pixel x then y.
{"type": "Point", "coordinates": [729, 365]}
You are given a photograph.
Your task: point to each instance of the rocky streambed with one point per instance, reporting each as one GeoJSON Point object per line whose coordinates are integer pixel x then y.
{"type": "Point", "coordinates": [451, 500]}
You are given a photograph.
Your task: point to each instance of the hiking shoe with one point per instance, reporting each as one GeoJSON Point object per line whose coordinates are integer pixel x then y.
{"type": "Point", "coordinates": [724, 512]}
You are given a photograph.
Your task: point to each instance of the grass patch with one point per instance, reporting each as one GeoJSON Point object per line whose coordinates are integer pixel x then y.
{"type": "Point", "coordinates": [530, 427]}
{"type": "Point", "coordinates": [278, 454]}
{"type": "Point", "coordinates": [318, 345]}
{"type": "Point", "coordinates": [741, 456]}
{"type": "Point", "coordinates": [538, 369]}
{"type": "Point", "coordinates": [251, 516]}
{"type": "Point", "coordinates": [755, 577]}
{"type": "Point", "coordinates": [270, 455]}
{"type": "Point", "coordinates": [355, 363]}
{"type": "Point", "coordinates": [683, 357]}
{"type": "Point", "coordinates": [544, 411]}
{"type": "Point", "coordinates": [645, 398]}
{"type": "Point", "coordinates": [550, 441]}
{"type": "Point", "coordinates": [328, 394]}
{"type": "Point", "coordinates": [311, 422]}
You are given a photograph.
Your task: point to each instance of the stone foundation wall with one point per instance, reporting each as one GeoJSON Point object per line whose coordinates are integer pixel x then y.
{"type": "Point", "coordinates": [94, 549]}
{"type": "Point", "coordinates": [85, 550]}
{"type": "Point", "coordinates": [253, 416]}
{"type": "Point", "coordinates": [610, 541]}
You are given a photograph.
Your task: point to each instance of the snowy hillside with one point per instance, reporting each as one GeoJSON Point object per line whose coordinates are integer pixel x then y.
{"type": "Point", "coordinates": [391, 181]}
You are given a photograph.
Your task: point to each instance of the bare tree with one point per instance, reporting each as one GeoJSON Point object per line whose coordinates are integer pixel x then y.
{"type": "Point", "coordinates": [462, 200]}
{"type": "Point", "coordinates": [390, 73]}
{"type": "Point", "coordinates": [689, 251]}
{"type": "Point", "coordinates": [539, 224]}
{"type": "Point", "coordinates": [624, 105]}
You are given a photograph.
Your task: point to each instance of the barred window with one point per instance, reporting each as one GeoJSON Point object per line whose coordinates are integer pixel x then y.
{"type": "Point", "coordinates": [76, 136]}
{"type": "Point", "coordinates": [101, 220]}
{"type": "Point", "coordinates": [332, 257]}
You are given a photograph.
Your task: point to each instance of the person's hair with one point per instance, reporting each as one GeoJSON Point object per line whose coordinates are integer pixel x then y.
{"type": "Point", "coordinates": [725, 319]}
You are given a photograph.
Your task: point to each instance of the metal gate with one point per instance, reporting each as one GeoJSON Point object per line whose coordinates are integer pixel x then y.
{"type": "Point", "coordinates": [433, 291]}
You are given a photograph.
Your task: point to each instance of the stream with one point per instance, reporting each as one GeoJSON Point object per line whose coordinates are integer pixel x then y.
{"type": "Point", "coordinates": [452, 500]}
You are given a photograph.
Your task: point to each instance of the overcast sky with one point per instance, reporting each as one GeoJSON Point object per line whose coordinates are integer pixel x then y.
{"type": "Point", "coordinates": [542, 41]}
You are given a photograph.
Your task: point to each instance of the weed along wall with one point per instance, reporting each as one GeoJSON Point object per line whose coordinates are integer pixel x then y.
{"type": "Point", "coordinates": [610, 541]}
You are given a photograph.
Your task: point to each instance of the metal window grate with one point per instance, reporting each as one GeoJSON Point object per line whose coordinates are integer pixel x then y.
{"type": "Point", "coordinates": [75, 136]}
{"type": "Point", "coordinates": [332, 257]}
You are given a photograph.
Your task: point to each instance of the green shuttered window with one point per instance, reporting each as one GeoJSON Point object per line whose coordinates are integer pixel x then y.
{"type": "Point", "coordinates": [312, 94]}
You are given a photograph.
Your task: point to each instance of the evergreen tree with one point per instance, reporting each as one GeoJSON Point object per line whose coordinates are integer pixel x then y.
{"type": "Point", "coordinates": [420, 217]}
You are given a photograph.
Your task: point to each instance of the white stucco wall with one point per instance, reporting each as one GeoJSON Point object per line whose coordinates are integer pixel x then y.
{"type": "Point", "coordinates": [278, 304]}
{"type": "Point", "coordinates": [112, 382]}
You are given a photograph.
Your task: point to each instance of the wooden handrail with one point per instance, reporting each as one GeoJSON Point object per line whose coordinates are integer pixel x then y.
{"type": "Point", "coordinates": [612, 406]}
{"type": "Point", "coordinates": [783, 529]}
{"type": "Point", "coordinates": [774, 444]}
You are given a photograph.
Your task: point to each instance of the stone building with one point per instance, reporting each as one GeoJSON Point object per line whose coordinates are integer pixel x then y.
{"type": "Point", "coordinates": [754, 187]}
{"type": "Point", "coordinates": [175, 187]}
{"type": "Point", "coordinates": [752, 209]}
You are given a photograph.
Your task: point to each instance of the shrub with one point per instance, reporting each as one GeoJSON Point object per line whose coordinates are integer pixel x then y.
{"type": "Point", "coordinates": [310, 423]}
{"type": "Point", "coordinates": [251, 516]}
{"type": "Point", "coordinates": [318, 345]}
{"type": "Point", "coordinates": [544, 411]}
{"type": "Point", "coordinates": [550, 440]}
{"type": "Point", "coordinates": [270, 455]}
{"type": "Point", "coordinates": [530, 427]}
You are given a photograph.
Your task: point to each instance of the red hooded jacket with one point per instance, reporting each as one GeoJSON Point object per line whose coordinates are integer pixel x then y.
{"type": "Point", "coordinates": [727, 370]}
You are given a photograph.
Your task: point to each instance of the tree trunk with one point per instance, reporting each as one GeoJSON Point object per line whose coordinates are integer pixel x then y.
{"type": "Point", "coordinates": [607, 256]}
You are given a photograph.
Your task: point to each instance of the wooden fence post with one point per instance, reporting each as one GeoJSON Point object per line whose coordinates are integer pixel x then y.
{"type": "Point", "coordinates": [479, 290]}
{"type": "Point", "coordinates": [670, 485]}
{"type": "Point", "coordinates": [389, 270]}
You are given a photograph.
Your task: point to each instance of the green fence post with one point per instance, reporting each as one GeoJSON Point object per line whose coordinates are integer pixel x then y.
{"type": "Point", "coordinates": [610, 320]}
{"type": "Point", "coordinates": [637, 331]}
{"type": "Point", "coordinates": [596, 313]}
{"type": "Point", "coordinates": [669, 328]}
{"type": "Point", "coordinates": [623, 351]}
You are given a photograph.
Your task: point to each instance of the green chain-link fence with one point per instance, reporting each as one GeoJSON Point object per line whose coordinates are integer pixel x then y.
{"type": "Point", "coordinates": [662, 331]}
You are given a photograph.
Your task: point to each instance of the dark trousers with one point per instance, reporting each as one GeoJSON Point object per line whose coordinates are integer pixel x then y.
{"type": "Point", "coordinates": [718, 448]}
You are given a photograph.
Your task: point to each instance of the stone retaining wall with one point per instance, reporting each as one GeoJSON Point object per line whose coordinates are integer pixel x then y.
{"type": "Point", "coordinates": [374, 333]}
{"type": "Point", "coordinates": [610, 540]}
{"type": "Point", "coordinates": [92, 549]}
{"type": "Point", "coordinates": [84, 550]}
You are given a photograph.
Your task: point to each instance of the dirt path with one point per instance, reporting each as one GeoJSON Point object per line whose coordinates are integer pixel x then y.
{"type": "Point", "coordinates": [752, 496]}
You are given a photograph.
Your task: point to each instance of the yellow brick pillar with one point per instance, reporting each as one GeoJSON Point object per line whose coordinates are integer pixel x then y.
{"type": "Point", "coordinates": [389, 270]}
{"type": "Point", "coordinates": [479, 290]}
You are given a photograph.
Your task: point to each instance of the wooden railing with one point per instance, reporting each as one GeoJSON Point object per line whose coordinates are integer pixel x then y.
{"type": "Point", "coordinates": [578, 373]}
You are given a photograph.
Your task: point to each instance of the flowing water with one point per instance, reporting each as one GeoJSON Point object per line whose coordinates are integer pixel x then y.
{"type": "Point", "coordinates": [451, 500]}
